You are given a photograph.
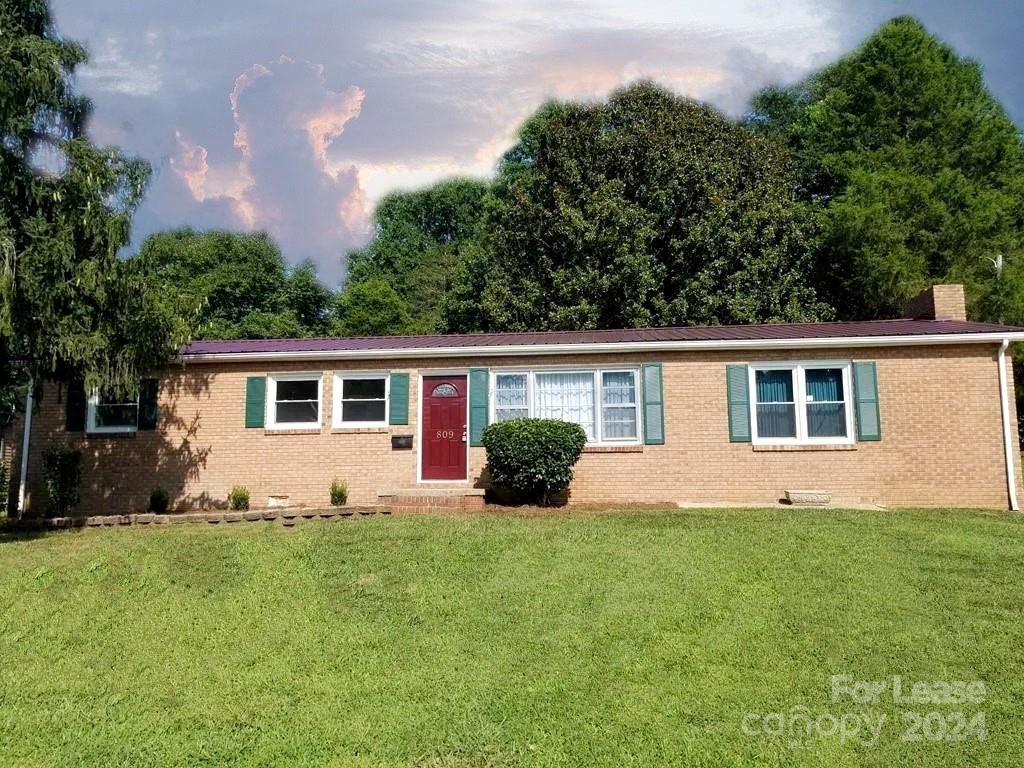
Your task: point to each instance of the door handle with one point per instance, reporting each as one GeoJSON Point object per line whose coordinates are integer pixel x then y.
{"type": "Point", "coordinates": [463, 435]}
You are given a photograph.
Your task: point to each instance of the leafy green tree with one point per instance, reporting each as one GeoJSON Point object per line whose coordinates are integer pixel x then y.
{"type": "Point", "coordinates": [373, 308]}
{"type": "Point", "coordinates": [309, 299]}
{"type": "Point", "coordinates": [918, 172]}
{"type": "Point", "coordinates": [238, 284]}
{"type": "Point", "coordinates": [646, 209]}
{"type": "Point", "coordinates": [68, 305]}
{"type": "Point", "coordinates": [419, 238]}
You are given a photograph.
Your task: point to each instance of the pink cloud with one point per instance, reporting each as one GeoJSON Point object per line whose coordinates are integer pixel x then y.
{"type": "Point", "coordinates": [286, 119]}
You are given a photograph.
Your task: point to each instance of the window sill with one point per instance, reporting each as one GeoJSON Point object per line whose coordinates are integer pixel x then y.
{"type": "Point", "coordinates": [805, 447]}
{"type": "Point", "coordinates": [613, 448]}
{"type": "Point", "coordinates": [128, 433]}
{"type": "Point", "coordinates": [360, 430]}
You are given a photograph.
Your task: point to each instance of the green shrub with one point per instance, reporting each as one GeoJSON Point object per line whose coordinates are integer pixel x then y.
{"type": "Point", "coordinates": [339, 493]}
{"type": "Point", "coordinates": [534, 457]}
{"type": "Point", "coordinates": [159, 500]}
{"type": "Point", "coordinates": [238, 499]}
{"type": "Point", "coordinates": [62, 474]}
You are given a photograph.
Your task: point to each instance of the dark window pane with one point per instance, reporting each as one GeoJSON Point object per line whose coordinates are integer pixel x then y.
{"type": "Point", "coordinates": [363, 389]}
{"type": "Point", "coordinates": [776, 420]}
{"type": "Point", "coordinates": [122, 415]}
{"type": "Point", "coordinates": [297, 413]}
{"type": "Point", "coordinates": [774, 386]}
{"type": "Point", "coordinates": [362, 410]}
{"type": "Point", "coordinates": [297, 390]}
{"type": "Point", "coordinates": [826, 420]}
{"type": "Point", "coordinates": [824, 384]}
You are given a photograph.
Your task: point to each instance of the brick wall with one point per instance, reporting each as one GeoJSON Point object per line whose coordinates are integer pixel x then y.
{"type": "Point", "coordinates": [941, 439]}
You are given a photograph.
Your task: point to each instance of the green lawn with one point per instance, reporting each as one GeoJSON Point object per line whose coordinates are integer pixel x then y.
{"type": "Point", "coordinates": [636, 639]}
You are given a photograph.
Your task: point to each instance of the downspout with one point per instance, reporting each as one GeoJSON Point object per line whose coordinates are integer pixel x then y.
{"type": "Point", "coordinates": [1004, 401]}
{"type": "Point", "coordinates": [23, 479]}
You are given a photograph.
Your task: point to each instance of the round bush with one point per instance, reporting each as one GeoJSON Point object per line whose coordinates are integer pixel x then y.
{"type": "Point", "coordinates": [159, 500]}
{"type": "Point", "coordinates": [339, 493]}
{"type": "Point", "coordinates": [533, 457]}
{"type": "Point", "coordinates": [238, 499]}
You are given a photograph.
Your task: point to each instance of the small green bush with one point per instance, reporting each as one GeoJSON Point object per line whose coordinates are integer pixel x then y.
{"type": "Point", "coordinates": [534, 457]}
{"type": "Point", "coordinates": [62, 474]}
{"type": "Point", "coordinates": [339, 493]}
{"type": "Point", "coordinates": [159, 500]}
{"type": "Point", "coordinates": [238, 499]}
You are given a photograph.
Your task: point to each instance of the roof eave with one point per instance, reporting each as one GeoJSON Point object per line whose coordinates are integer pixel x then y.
{"type": "Point", "coordinates": [609, 347]}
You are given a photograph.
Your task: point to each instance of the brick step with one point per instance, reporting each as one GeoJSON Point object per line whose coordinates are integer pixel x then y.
{"type": "Point", "coordinates": [426, 499]}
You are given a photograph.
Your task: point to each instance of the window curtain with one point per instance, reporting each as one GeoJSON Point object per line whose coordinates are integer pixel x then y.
{"type": "Point", "coordinates": [826, 413]}
{"type": "Point", "coordinates": [568, 397]}
{"type": "Point", "coordinates": [510, 397]}
{"type": "Point", "coordinates": [776, 409]}
{"type": "Point", "coordinates": [618, 401]}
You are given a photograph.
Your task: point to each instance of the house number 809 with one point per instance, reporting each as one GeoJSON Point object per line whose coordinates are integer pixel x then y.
{"type": "Point", "coordinates": [445, 434]}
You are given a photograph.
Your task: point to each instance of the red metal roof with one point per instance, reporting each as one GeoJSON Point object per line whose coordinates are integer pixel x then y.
{"type": "Point", "coordinates": [769, 332]}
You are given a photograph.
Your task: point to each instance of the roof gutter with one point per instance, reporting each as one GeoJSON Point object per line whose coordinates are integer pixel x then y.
{"type": "Point", "coordinates": [616, 347]}
{"type": "Point", "coordinates": [1004, 402]}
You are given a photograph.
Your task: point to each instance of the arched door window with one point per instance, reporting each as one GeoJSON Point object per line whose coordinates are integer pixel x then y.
{"type": "Point", "coordinates": [444, 390]}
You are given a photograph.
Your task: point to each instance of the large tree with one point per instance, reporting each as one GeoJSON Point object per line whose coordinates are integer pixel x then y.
{"type": "Point", "coordinates": [373, 308]}
{"type": "Point", "coordinates": [646, 209]}
{"type": "Point", "coordinates": [418, 240]}
{"type": "Point", "coordinates": [918, 171]}
{"type": "Point", "coordinates": [68, 305]}
{"type": "Point", "coordinates": [237, 283]}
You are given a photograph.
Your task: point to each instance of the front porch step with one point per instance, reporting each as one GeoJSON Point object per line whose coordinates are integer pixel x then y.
{"type": "Point", "coordinates": [429, 499]}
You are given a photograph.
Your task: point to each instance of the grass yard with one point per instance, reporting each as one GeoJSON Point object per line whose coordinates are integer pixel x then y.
{"type": "Point", "coordinates": [621, 639]}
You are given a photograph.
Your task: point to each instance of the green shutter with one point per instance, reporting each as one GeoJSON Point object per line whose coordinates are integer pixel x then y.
{"type": "Point", "coordinates": [737, 383]}
{"type": "Point", "coordinates": [479, 381]}
{"type": "Point", "coordinates": [74, 407]}
{"type": "Point", "coordinates": [255, 401]}
{"type": "Point", "coordinates": [865, 387]}
{"type": "Point", "coordinates": [654, 405]}
{"type": "Point", "coordinates": [398, 406]}
{"type": "Point", "coordinates": [148, 391]}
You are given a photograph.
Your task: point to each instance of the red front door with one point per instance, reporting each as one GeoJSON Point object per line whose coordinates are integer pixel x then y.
{"type": "Point", "coordinates": [444, 428]}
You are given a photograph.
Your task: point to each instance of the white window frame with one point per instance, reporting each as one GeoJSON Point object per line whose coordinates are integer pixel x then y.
{"type": "Point", "coordinates": [271, 411]}
{"type": "Point", "coordinates": [492, 394]}
{"type": "Point", "coordinates": [597, 374]}
{"type": "Point", "coordinates": [799, 370]}
{"type": "Point", "coordinates": [93, 428]}
{"type": "Point", "coordinates": [336, 406]}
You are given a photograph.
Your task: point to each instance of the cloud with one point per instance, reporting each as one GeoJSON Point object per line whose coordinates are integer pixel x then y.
{"type": "Point", "coordinates": [350, 99]}
{"type": "Point", "coordinates": [111, 70]}
{"type": "Point", "coordinates": [286, 118]}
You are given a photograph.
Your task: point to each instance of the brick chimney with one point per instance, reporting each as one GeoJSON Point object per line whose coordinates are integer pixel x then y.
{"type": "Point", "coordinates": [940, 302]}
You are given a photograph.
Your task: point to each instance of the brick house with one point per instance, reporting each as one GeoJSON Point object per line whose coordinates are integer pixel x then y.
{"type": "Point", "coordinates": [917, 411]}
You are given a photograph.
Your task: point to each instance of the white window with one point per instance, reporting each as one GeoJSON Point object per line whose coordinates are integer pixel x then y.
{"type": "Point", "coordinates": [620, 405]}
{"type": "Point", "coordinates": [606, 403]}
{"type": "Point", "coordinates": [801, 403]}
{"type": "Point", "coordinates": [293, 401]}
{"type": "Point", "coordinates": [511, 396]}
{"type": "Point", "coordinates": [361, 399]}
{"type": "Point", "coordinates": [109, 414]}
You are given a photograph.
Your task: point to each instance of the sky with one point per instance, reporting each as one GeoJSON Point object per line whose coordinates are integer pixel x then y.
{"type": "Point", "coordinates": [296, 117]}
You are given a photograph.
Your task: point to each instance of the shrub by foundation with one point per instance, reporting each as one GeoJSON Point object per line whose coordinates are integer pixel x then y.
{"type": "Point", "coordinates": [533, 457]}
